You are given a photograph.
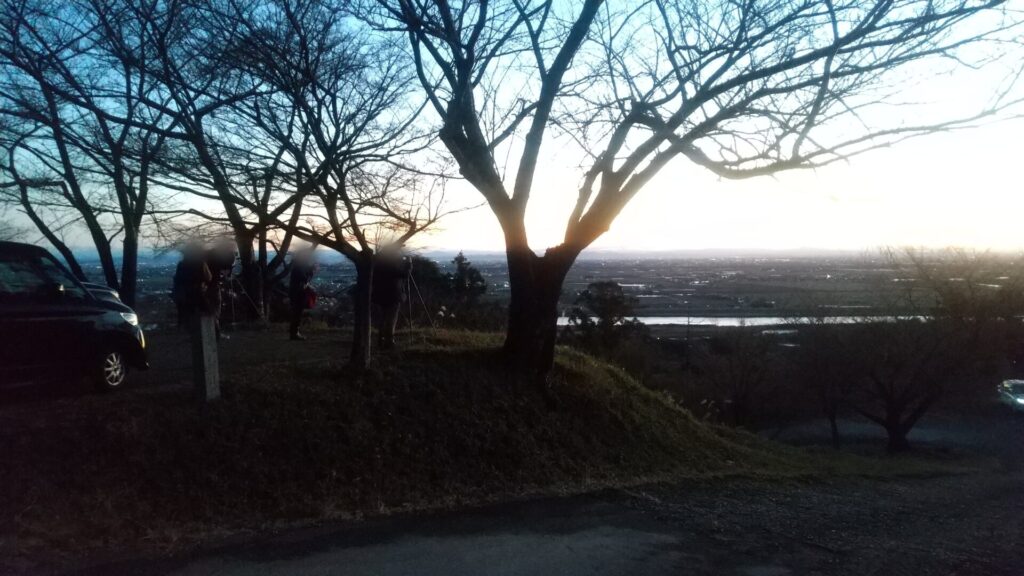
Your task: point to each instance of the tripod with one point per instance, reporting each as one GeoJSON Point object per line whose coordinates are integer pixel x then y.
{"type": "Point", "coordinates": [410, 285]}
{"type": "Point", "coordinates": [233, 285]}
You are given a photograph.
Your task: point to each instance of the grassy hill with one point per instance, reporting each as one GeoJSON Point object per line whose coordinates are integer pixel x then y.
{"type": "Point", "coordinates": [435, 425]}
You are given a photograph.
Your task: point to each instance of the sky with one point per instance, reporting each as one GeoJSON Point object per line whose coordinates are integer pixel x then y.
{"type": "Point", "coordinates": [950, 189]}
{"type": "Point", "coordinates": [960, 188]}
{"type": "Point", "coordinates": [953, 189]}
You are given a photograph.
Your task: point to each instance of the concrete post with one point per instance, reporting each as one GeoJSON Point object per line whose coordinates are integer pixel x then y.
{"type": "Point", "coordinates": [205, 370]}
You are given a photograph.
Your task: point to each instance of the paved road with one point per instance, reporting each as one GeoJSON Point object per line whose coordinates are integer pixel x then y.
{"type": "Point", "coordinates": [921, 527]}
{"type": "Point", "coordinates": [583, 535]}
{"type": "Point", "coordinates": [962, 525]}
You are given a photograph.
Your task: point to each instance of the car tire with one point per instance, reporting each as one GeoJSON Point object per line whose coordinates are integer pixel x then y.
{"type": "Point", "coordinates": [110, 371]}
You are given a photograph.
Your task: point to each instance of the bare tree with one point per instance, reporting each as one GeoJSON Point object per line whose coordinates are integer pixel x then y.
{"type": "Point", "coordinates": [294, 126]}
{"type": "Point", "coordinates": [259, 215]}
{"type": "Point", "coordinates": [61, 88]}
{"type": "Point", "coordinates": [941, 333]}
{"type": "Point", "coordinates": [340, 110]}
{"type": "Point", "coordinates": [9, 231]}
{"type": "Point", "coordinates": [740, 369]}
{"type": "Point", "coordinates": [740, 88]}
{"type": "Point", "coordinates": [825, 368]}
{"type": "Point", "coordinates": [192, 59]}
{"type": "Point", "coordinates": [142, 81]}
{"type": "Point", "coordinates": [41, 200]}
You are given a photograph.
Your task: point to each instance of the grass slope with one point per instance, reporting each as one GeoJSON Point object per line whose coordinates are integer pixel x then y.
{"type": "Point", "coordinates": [436, 424]}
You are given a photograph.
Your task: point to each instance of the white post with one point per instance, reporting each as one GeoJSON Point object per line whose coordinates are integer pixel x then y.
{"type": "Point", "coordinates": [205, 370]}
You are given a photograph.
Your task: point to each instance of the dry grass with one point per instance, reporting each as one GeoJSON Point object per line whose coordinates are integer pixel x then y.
{"type": "Point", "coordinates": [438, 424]}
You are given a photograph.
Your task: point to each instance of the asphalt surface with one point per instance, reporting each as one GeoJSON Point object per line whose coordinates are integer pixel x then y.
{"type": "Point", "coordinates": [946, 525]}
{"type": "Point", "coordinates": [918, 527]}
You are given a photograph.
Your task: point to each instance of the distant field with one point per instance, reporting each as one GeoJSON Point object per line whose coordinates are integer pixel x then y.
{"type": "Point", "coordinates": [743, 287]}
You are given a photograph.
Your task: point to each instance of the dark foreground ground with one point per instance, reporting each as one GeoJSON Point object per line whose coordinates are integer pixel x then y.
{"type": "Point", "coordinates": [963, 524]}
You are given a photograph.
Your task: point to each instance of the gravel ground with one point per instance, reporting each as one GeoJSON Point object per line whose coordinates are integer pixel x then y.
{"type": "Point", "coordinates": [954, 525]}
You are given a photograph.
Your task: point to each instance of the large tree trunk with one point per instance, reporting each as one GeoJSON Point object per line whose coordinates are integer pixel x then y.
{"type": "Point", "coordinates": [536, 285]}
{"type": "Point", "coordinates": [360, 358]}
{"type": "Point", "coordinates": [897, 440]}
{"type": "Point", "coordinates": [897, 431]}
{"type": "Point", "coordinates": [106, 256]}
{"type": "Point", "coordinates": [262, 287]}
{"type": "Point", "coordinates": [129, 267]}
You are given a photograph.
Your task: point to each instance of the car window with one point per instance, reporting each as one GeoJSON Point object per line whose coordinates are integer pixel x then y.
{"type": "Point", "coordinates": [1017, 388]}
{"type": "Point", "coordinates": [34, 278]}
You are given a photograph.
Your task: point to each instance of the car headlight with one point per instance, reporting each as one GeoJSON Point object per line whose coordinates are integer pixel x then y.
{"type": "Point", "coordinates": [1019, 400]}
{"type": "Point", "coordinates": [131, 318]}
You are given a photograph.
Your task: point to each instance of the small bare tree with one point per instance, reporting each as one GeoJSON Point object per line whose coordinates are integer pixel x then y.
{"type": "Point", "coordinates": [739, 370]}
{"type": "Point", "coordinates": [825, 368]}
{"type": "Point", "coordinates": [941, 332]}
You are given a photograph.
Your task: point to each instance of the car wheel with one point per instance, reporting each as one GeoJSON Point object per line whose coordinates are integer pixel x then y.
{"type": "Point", "coordinates": [111, 372]}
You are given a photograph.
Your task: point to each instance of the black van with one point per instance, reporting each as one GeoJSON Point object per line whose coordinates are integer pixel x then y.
{"type": "Point", "coordinates": [51, 326]}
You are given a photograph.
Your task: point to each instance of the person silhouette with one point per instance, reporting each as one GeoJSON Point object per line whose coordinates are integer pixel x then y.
{"type": "Point", "coordinates": [390, 274]}
{"type": "Point", "coordinates": [220, 259]}
{"type": "Point", "coordinates": [191, 281]}
{"type": "Point", "coordinates": [300, 293]}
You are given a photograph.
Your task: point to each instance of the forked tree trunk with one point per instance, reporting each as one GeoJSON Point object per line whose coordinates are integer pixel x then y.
{"type": "Point", "coordinates": [901, 418]}
{"type": "Point", "coordinates": [896, 429]}
{"type": "Point", "coordinates": [360, 358]}
{"type": "Point", "coordinates": [897, 438]}
{"type": "Point", "coordinates": [251, 275]}
{"type": "Point", "coordinates": [536, 285]}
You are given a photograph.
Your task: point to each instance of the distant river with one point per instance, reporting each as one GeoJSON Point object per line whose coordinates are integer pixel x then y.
{"type": "Point", "coordinates": [728, 321]}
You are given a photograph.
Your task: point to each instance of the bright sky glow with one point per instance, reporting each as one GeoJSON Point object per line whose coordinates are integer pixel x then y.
{"type": "Point", "coordinates": [941, 190]}
{"type": "Point", "coordinates": [961, 189]}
